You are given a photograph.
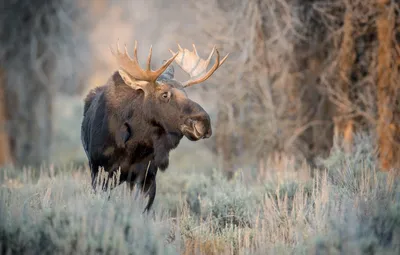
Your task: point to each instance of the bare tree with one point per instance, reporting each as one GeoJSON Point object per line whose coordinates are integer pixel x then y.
{"type": "Point", "coordinates": [269, 88]}
{"type": "Point", "coordinates": [303, 75]}
{"type": "Point", "coordinates": [41, 50]}
{"type": "Point", "coordinates": [5, 153]}
{"type": "Point", "coordinates": [388, 83]}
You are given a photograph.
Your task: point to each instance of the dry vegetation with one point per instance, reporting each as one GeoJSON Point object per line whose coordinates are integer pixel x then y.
{"type": "Point", "coordinates": [348, 209]}
{"type": "Point", "coordinates": [305, 113]}
{"type": "Point", "coordinates": [308, 72]}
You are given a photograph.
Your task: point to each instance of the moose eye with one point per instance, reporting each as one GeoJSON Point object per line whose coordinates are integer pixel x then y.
{"type": "Point", "coordinates": [165, 95]}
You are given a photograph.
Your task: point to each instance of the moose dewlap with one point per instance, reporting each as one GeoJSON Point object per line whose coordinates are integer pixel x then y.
{"type": "Point", "coordinates": [134, 120]}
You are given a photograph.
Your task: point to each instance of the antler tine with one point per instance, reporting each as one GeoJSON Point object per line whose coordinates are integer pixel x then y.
{"type": "Point", "coordinates": [195, 66]}
{"type": "Point", "coordinates": [135, 53]}
{"type": "Point", "coordinates": [132, 67]}
{"type": "Point", "coordinates": [223, 60]}
{"type": "Point", "coordinates": [165, 65]}
{"type": "Point", "coordinates": [118, 46]}
{"type": "Point", "coordinates": [149, 58]}
{"type": "Point", "coordinates": [211, 54]}
{"type": "Point", "coordinates": [126, 52]}
{"type": "Point", "coordinates": [206, 76]}
{"type": "Point", "coordinates": [194, 50]}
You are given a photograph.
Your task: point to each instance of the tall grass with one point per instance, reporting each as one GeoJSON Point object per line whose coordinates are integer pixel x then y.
{"type": "Point", "coordinates": [346, 208]}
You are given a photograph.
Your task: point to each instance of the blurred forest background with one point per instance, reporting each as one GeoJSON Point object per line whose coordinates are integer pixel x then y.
{"type": "Point", "coordinates": [309, 85]}
{"type": "Point", "coordinates": [302, 75]}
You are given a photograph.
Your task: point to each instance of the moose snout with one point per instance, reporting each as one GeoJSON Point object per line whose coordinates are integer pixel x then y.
{"type": "Point", "coordinates": [202, 125]}
{"type": "Point", "coordinates": [197, 123]}
{"type": "Point", "coordinates": [197, 127]}
{"type": "Point", "coordinates": [203, 128]}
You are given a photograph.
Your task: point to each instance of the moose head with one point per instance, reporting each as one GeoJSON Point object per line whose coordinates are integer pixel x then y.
{"type": "Point", "coordinates": [165, 102]}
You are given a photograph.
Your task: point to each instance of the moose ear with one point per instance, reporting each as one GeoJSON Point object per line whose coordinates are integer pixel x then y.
{"type": "Point", "coordinates": [130, 81]}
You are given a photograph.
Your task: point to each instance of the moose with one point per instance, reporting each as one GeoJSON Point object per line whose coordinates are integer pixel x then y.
{"type": "Point", "coordinates": [133, 121]}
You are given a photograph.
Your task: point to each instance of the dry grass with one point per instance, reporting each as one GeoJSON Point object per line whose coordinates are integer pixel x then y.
{"type": "Point", "coordinates": [349, 208]}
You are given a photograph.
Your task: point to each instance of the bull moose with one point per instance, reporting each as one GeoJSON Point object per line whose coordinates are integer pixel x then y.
{"type": "Point", "coordinates": [133, 121]}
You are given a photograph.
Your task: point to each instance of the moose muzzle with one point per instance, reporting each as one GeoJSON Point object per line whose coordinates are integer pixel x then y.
{"type": "Point", "coordinates": [197, 127]}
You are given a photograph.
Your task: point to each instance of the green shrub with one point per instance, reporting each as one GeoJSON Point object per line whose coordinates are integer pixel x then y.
{"type": "Point", "coordinates": [225, 203]}
{"type": "Point", "coordinates": [374, 232]}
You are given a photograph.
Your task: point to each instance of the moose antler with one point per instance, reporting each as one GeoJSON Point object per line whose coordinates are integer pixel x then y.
{"type": "Point", "coordinates": [132, 66]}
{"type": "Point", "coordinates": [195, 66]}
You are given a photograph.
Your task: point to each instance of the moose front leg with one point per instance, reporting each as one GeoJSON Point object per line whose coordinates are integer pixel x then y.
{"type": "Point", "coordinates": [145, 182]}
{"type": "Point", "coordinates": [150, 189]}
{"type": "Point", "coordinates": [148, 184]}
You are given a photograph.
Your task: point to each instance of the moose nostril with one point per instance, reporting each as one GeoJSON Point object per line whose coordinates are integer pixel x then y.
{"type": "Point", "coordinates": [201, 127]}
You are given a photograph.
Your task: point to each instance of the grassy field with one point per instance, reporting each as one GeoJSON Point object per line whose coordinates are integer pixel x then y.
{"type": "Point", "coordinates": [347, 207]}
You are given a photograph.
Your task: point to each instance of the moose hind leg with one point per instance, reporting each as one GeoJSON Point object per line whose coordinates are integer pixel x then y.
{"type": "Point", "coordinates": [96, 182]}
{"type": "Point", "coordinates": [103, 182]}
{"type": "Point", "coordinates": [145, 183]}
{"type": "Point", "coordinates": [149, 185]}
{"type": "Point", "coordinates": [94, 170]}
{"type": "Point", "coordinates": [134, 189]}
{"type": "Point", "coordinates": [150, 190]}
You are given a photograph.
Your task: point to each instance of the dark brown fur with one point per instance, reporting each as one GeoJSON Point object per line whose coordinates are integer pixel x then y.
{"type": "Point", "coordinates": [123, 128]}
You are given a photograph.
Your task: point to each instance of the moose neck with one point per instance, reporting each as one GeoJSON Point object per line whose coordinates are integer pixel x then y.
{"type": "Point", "coordinates": [121, 97]}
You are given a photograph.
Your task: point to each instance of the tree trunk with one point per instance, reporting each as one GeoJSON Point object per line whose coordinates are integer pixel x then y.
{"type": "Point", "coordinates": [224, 144]}
{"type": "Point", "coordinates": [28, 90]}
{"type": "Point", "coordinates": [343, 124]}
{"type": "Point", "coordinates": [5, 153]}
{"type": "Point", "coordinates": [37, 56]}
{"type": "Point", "coordinates": [388, 90]}
{"type": "Point", "coordinates": [30, 111]}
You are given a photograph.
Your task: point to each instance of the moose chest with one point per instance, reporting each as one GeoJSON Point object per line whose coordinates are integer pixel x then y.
{"type": "Point", "coordinates": [125, 157]}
